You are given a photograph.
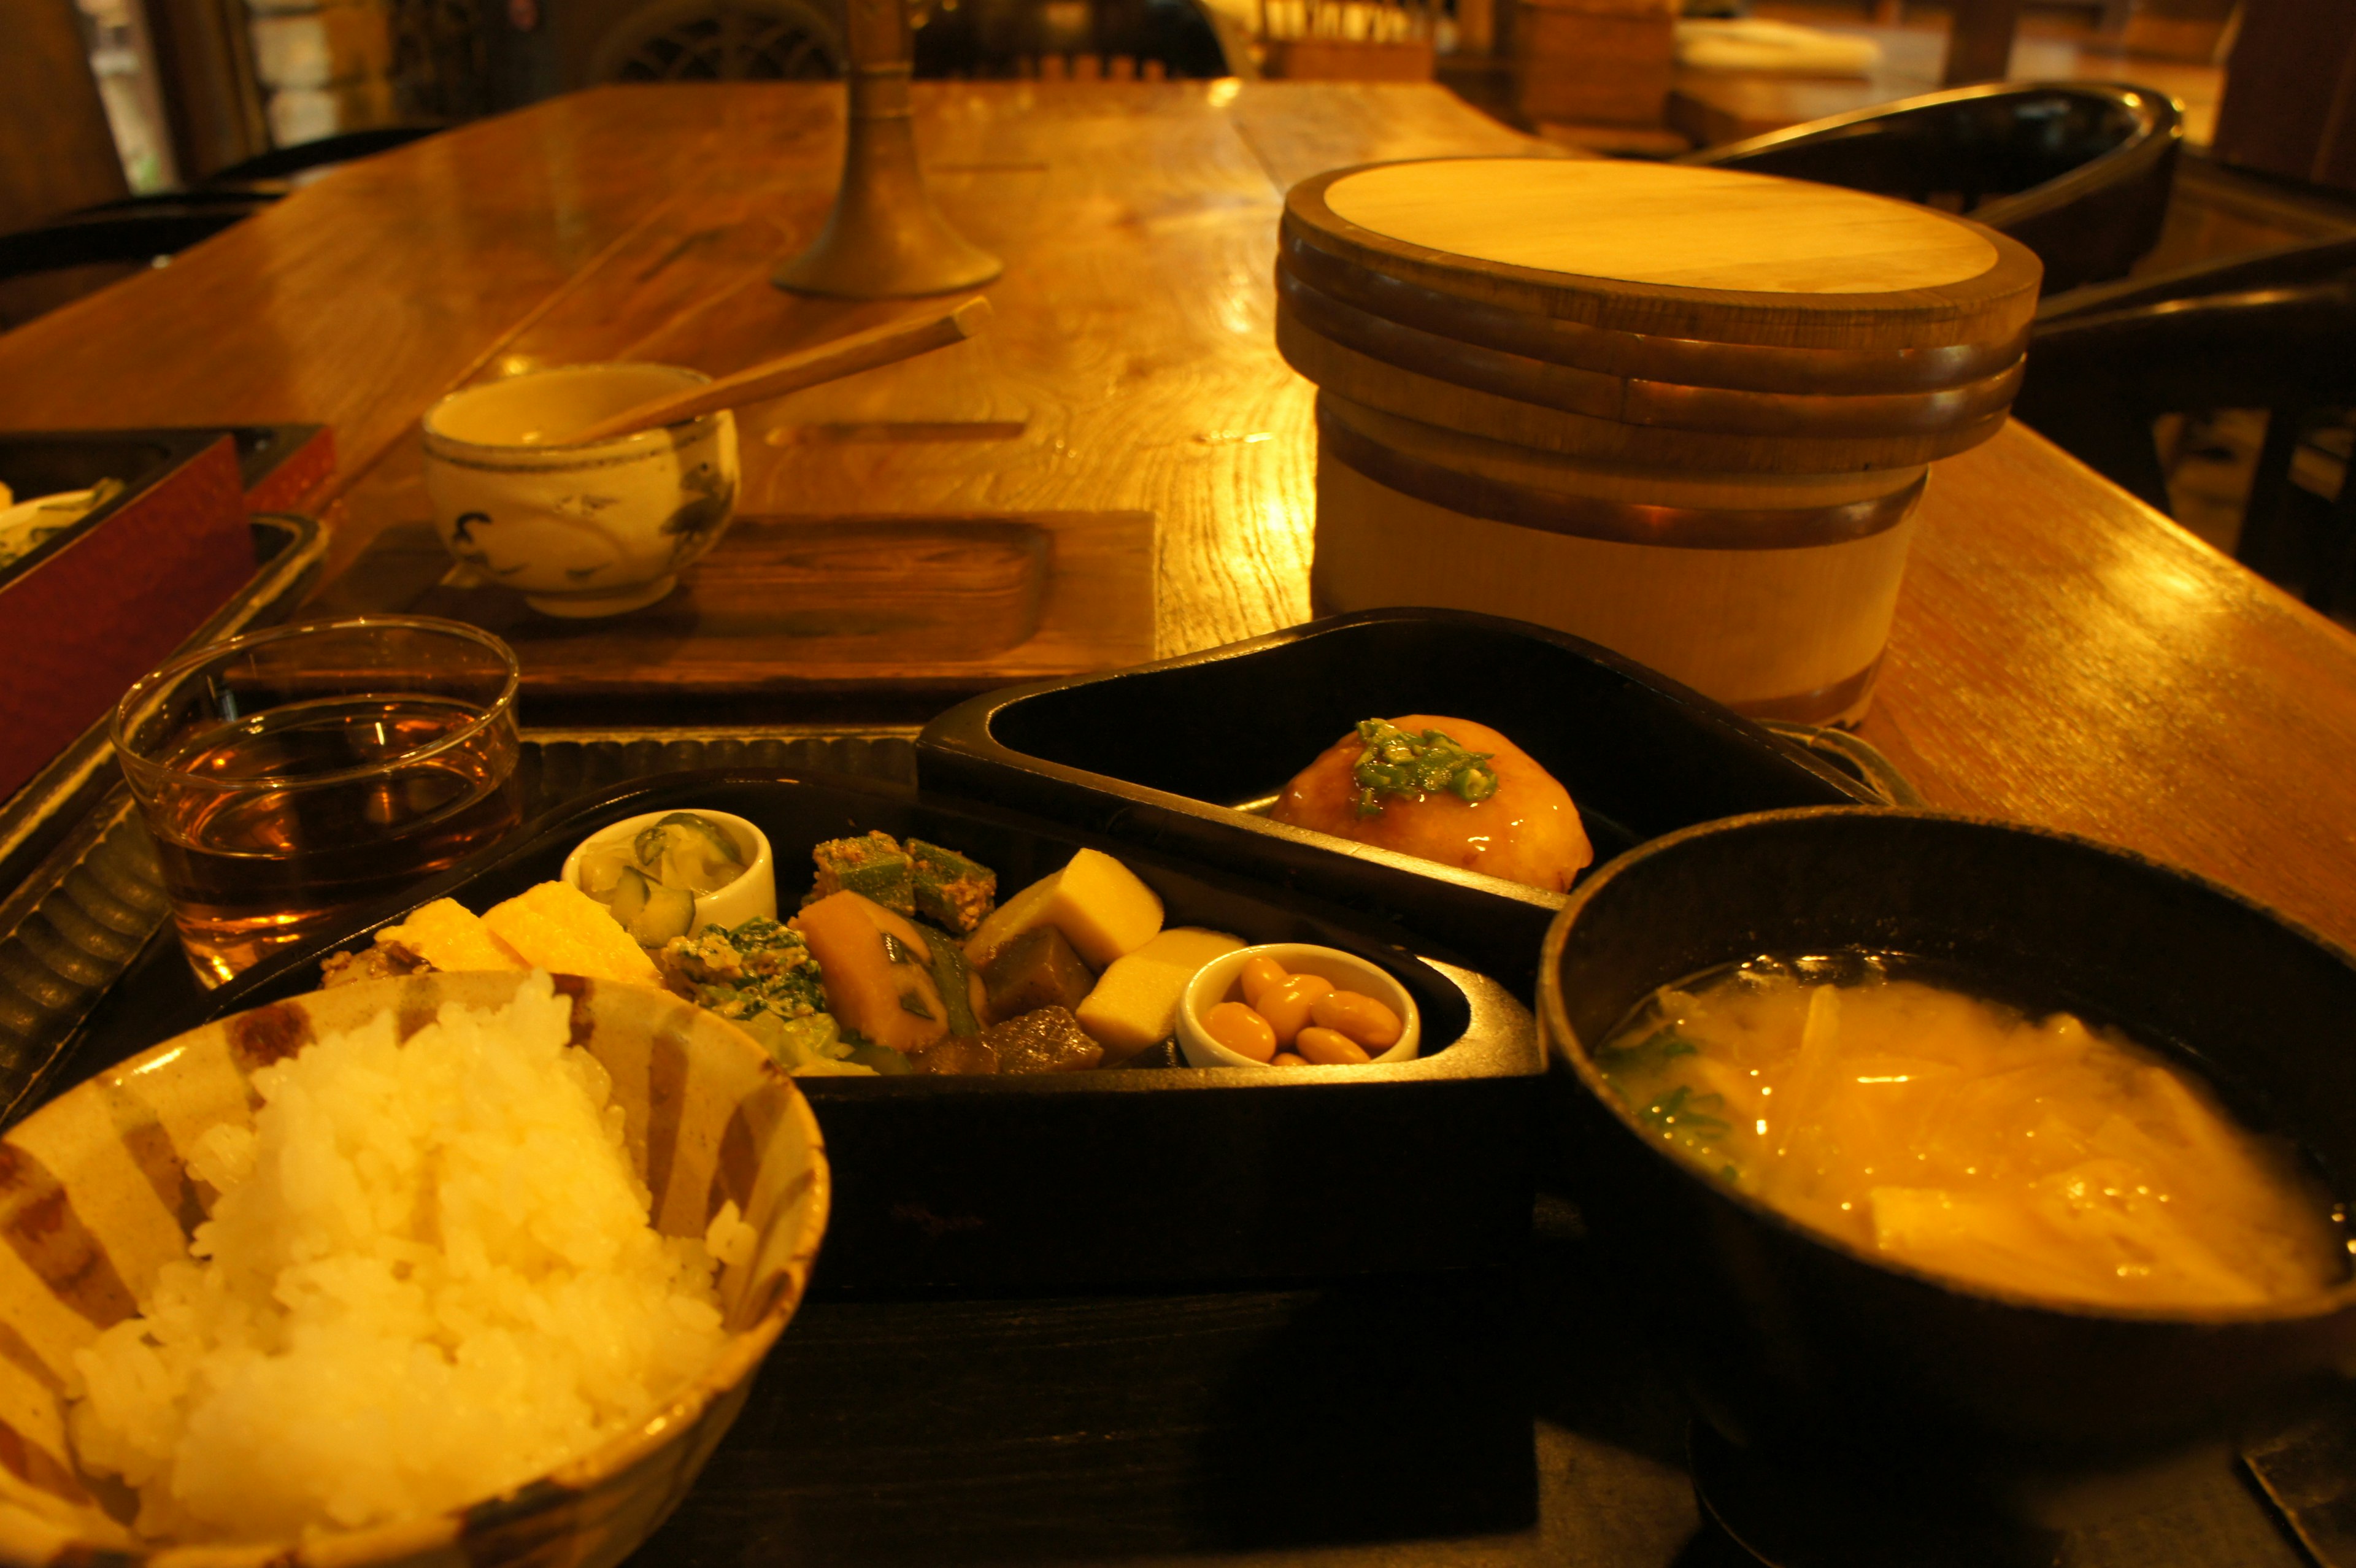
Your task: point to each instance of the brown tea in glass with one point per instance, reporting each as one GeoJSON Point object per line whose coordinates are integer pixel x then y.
{"type": "Point", "coordinates": [293, 774]}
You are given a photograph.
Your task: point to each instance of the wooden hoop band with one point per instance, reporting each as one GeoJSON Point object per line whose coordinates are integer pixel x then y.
{"type": "Point", "coordinates": [1836, 703]}
{"type": "Point", "coordinates": [1995, 306]}
{"type": "Point", "coordinates": [1473, 410]}
{"type": "Point", "coordinates": [1628, 400]}
{"type": "Point", "coordinates": [1588, 516]}
{"type": "Point", "coordinates": [1684, 361]}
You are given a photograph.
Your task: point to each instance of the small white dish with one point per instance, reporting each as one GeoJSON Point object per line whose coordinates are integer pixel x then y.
{"type": "Point", "coordinates": [753, 893]}
{"type": "Point", "coordinates": [1221, 980]}
{"type": "Point", "coordinates": [583, 529]}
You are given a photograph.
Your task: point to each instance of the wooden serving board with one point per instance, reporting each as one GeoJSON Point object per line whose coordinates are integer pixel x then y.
{"type": "Point", "coordinates": [945, 603]}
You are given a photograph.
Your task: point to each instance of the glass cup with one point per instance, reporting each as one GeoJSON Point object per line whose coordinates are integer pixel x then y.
{"type": "Point", "coordinates": [292, 775]}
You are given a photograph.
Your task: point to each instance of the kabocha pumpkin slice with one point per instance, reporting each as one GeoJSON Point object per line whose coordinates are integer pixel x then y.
{"type": "Point", "coordinates": [1094, 900]}
{"type": "Point", "coordinates": [879, 971]}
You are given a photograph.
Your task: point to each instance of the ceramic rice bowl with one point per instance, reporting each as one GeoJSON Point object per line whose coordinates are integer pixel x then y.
{"type": "Point", "coordinates": [95, 1197]}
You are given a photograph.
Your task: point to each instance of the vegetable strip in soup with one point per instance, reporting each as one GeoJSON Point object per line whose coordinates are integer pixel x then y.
{"type": "Point", "coordinates": [1940, 1130]}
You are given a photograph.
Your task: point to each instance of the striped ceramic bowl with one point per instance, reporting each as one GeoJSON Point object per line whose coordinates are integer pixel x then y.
{"type": "Point", "coordinates": [95, 1197]}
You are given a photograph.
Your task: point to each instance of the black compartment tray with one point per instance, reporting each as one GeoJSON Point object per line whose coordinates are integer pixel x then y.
{"type": "Point", "coordinates": [1168, 755]}
{"type": "Point", "coordinates": [1130, 1176]}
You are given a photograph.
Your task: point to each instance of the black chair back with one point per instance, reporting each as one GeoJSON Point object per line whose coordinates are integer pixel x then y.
{"type": "Point", "coordinates": [2077, 171]}
{"type": "Point", "coordinates": [2276, 331]}
{"type": "Point", "coordinates": [140, 234]}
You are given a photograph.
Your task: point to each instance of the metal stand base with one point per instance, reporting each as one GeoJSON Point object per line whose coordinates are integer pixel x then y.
{"type": "Point", "coordinates": [885, 239]}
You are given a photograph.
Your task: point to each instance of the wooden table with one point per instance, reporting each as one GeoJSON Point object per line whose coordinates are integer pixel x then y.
{"type": "Point", "coordinates": [2062, 655]}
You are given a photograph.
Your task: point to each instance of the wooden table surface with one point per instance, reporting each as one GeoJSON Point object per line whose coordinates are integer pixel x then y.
{"type": "Point", "coordinates": [2062, 655]}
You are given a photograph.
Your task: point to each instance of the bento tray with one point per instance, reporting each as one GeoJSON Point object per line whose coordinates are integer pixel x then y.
{"type": "Point", "coordinates": [1171, 755]}
{"type": "Point", "coordinates": [1128, 1176]}
{"type": "Point", "coordinates": [87, 916]}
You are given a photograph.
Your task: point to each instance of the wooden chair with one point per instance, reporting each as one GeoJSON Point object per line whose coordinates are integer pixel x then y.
{"type": "Point", "coordinates": [312, 158]}
{"type": "Point", "coordinates": [2077, 171]}
{"type": "Point", "coordinates": [2276, 331]}
{"type": "Point", "coordinates": [145, 234]}
{"type": "Point", "coordinates": [722, 40]}
{"type": "Point", "coordinates": [1152, 39]}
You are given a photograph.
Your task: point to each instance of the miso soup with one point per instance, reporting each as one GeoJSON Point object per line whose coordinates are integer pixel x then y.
{"type": "Point", "coordinates": [1967, 1139]}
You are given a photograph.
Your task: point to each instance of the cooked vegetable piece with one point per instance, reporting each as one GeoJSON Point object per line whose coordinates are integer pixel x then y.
{"type": "Point", "coordinates": [690, 852]}
{"type": "Point", "coordinates": [805, 1047]}
{"type": "Point", "coordinates": [950, 890]}
{"type": "Point", "coordinates": [557, 927]}
{"type": "Point", "coordinates": [1095, 899]}
{"type": "Point", "coordinates": [886, 1062]}
{"type": "Point", "coordinates": [873, 866]}
{"type": "Point", "coordinates": [957, 1056]}
{"type": "Point", "coordinates": [627, 900]}
{"type": "Point", "coordinates": [960, 987]}
{"type": "Point", "coordinates": [759, 966]}
{"type": "Point", "coordinates": [879, 976]}
{"type": "Point", "coordinates": [1039, 968]}
{"type": "Point", "coordinates": [1136, 1002]}
{"type": "Point", "coordinates": [669, 911]}
{"type": "Point", "coordinates": [1045, 1040]}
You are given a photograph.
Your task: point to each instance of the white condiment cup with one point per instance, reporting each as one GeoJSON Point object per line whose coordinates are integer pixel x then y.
{"type": "Point", "coordinates": [1221, 980]}
{"type": "Point", "coordinates": [583, 529]}
{"type": "Point", "coordinates": [754, 892]}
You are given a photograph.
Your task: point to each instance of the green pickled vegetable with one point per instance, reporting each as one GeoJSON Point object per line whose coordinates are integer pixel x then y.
{"type": "Point", "coordinates": [1412, 767]}
{"type": "Point", "coordinates": [628, 901]}
{"type": "Point", "coordinates": [690, 852]}
{"type": "Point", "coordinates": [669, 911]}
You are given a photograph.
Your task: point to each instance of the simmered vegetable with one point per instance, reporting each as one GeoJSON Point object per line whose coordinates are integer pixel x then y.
{"type": "Point", "coordinates": [1039, 968]}
{"type": "Point", "coordinates": [879, 971]}
{"type": "Point", "coordinates": [1136, 1002]}
{"type": "Point", "coordinates": [874, 867]}
{"type": "Point", "coordinates": [951, 891]}
{"type": "Point", "coordinates": [1045, 1040]}
{"type": "Point", "coordinates": [1095, 899]}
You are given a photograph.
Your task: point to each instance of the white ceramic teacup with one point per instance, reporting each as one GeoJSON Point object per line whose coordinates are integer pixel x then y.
{"type": "Point", "coordinates": [590, 528]}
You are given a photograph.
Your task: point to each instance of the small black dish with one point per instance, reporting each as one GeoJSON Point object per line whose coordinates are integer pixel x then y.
{"type": "Point", "coordinates": [1823, 1358]}
{"type": "Point", "coordinates": [1171, 756]}
{"type": "Point", "coordinates": [1129, 1176]}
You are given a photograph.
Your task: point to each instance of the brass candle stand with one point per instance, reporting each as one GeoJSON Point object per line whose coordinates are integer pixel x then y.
{"type": "Point", "coordinates": [885, 239]}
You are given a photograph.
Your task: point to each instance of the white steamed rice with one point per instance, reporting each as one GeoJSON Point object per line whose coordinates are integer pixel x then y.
{"type": "Point", "coordinates": [429, 1278]}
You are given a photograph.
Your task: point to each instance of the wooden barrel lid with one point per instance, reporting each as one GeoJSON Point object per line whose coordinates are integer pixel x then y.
{"type": "Point", "coordinates": [1768, 445]}
{"type": "Point", "coordinates": [1646, 400]}
{"type": "Point", "coordinates": [1714, 255]}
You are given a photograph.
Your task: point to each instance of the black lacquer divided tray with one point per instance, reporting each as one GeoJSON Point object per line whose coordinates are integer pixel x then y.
{"type": "Point", "coordinates": [1177, 755]}
{"type": "Point", "coordinates": [1132, 1176]}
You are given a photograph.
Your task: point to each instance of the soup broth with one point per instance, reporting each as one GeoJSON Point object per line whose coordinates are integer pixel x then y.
{"type": "Point", "coordinates": [1964, 1137]}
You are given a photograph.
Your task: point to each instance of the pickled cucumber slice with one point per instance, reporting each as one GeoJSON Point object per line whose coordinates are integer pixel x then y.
{"type": "Point", "coordinates": [600, 872]}
{"type": "Point", "coordinates": [629, 897]}
{"type": "Point", "coordinates": [669, 911]}
{"type": "Point", "coordinates": [684, 850]}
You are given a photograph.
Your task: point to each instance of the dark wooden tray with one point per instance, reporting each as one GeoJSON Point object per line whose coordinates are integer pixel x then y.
{"type": "Point", "coordinates": [1171, 754]}
{"type": "Point", "coordinates": [934, 604]}
{"type": "Point", "coordinates": [1138, 1175]}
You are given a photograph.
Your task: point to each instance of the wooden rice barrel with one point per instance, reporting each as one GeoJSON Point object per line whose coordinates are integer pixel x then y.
{"type": "Point", "coordinates": [1685, 413]}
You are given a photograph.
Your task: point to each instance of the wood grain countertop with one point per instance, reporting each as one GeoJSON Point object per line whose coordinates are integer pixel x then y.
{"type": "Point", "coordinates": [2063, 654]}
